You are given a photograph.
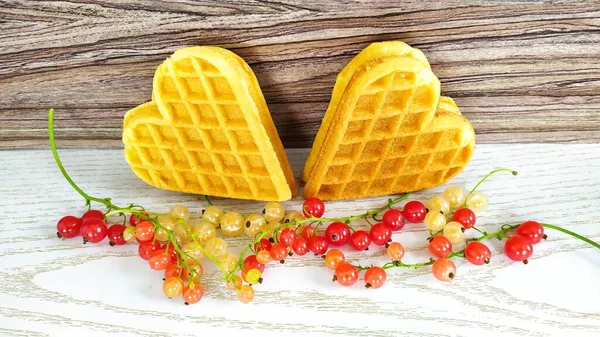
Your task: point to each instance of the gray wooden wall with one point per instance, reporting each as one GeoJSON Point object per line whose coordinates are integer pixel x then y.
{"type": "Point", "coordinates": [521, 71]}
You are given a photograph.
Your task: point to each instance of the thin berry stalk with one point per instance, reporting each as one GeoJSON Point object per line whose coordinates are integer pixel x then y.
{"type": "Point", "coordinates": [88, 198]}
{"type": "Point", "coordinates": [566, 231]}
{"type": "Point", "coordinates": [514, 173]}
{"type": "Point", "coordinates": [204, 251]}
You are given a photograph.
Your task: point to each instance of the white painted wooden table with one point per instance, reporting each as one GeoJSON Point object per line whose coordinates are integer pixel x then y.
{"type": "Point", "coordinates": [60, 288]}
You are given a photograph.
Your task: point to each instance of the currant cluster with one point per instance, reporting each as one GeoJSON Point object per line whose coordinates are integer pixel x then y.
{"type": "Point", "coordinates": [180, 261]}
{"type": "Point", "coordinates": [448, 216]}
{"type": "Point", "coordinates": [519, 247]}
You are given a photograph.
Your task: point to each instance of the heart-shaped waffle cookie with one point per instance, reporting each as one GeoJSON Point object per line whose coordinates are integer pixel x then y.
{"type": "Point", "coordinates": [387, 130]}
{"type": "Point", "coordinates": [208, 130]}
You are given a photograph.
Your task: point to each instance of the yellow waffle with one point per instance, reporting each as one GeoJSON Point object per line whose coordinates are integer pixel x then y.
{"type": "Point", "coordinates": [208, 131]}
{"type": "Point", "coordinates": [371, 52]}
{"type": "Point", "coordinates": [387, 130]}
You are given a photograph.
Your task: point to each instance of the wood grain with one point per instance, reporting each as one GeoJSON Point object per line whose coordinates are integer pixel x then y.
{"type": "Point", "coordinates": [522, 71]}
{"type": "Point", "coordinates": [50, 287]}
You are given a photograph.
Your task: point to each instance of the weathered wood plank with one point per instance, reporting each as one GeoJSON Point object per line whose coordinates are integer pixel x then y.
{"type": "Point", "coordinates": [520, 70]}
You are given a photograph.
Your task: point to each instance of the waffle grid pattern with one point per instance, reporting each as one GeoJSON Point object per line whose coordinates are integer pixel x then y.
{"type": "Point", "coordinates": [372, 161]}
{"type": "Point", "coordinates": [215, 151]}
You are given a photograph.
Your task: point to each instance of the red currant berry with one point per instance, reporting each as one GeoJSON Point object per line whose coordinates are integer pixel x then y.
{"type": "Point", "coordinates": [313, 207]}
{"type": "Point", "coordinates": [334, 258]}
{"type": "Point", "coordinates": [250, 262]}
{"type": "Point", "coordinates": [145, 249]}
{"type": "Point", "coordinates": [133, 220]}
{"type": "Point", "coordinates": [234, 283]}
{"type": "Point", "coordinates": [444, 270]}
{"type": "Point", "coordinates": [318, 245]}
{"type": "Point", "coordinates": [192, 293]}
{"type": "Point", "coordinates": [338, 234]}
{"type": "Point", "coordinates": [300, 246]}
{"type": "Point", "coordinates": [440, 246]}
{"type": "Point", "coordinates": [464, 216]}
{"type": "Point", "coordinates": [518, 248]}
{"type": "Point", "coordinates": [380, 234]}
{"type": "Point", "coordinates": [375, 277]}
{"type": "Point", "coordinates": [115, 235]}
{"type": "Point", "coordinates": [172, 287]}
{"type": "Point", "coordinates": [168, 247]}
{"type": "Point", "coordinates": [287, 236]}
{"type": "Point", "coordinates": [159, 260]}
{"type": "Point", "coordinates": [308, 232]}
{"type": "Point", "coordinates": [477, 253]}
{"type": "Point", "coordinates": [414, 211]}
{"type": "Point", "coordinates": [279, 252]}
{"type": "Point", "coordinates": [263, 256]}
{"type": "Point", "coordinates": [173, 270]}
{"type": "Point", "coordinates": [531, 230]}
{"type": "Point", "coordinates": [92, 214]}
{"type": "Point", "coordinates": [144, 231]}
{"type": "Point", "coordinates": [360, 240]}
{"type": "Point", "coordinates": [93, 230]}
{"type": "Point", "coordinates": [394, 219]}
{"type": "Point", "coordinates": [395, 251]}
{"type": "Point", "coordinates": [346, 274]}
{"type": "Point", "coordinates": [263, 244]}
{"type": "Point", "coordinates": [68, 227]}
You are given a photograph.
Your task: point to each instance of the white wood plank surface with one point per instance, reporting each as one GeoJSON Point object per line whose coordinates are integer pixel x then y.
{"type": "Point", "coordinates": [58, 288]}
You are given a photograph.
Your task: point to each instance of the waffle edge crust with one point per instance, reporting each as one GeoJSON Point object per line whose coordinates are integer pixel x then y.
{"type": "Point", "coordinates": [387, 130]}
{"type": "Point", "coordinates": [208, 130]}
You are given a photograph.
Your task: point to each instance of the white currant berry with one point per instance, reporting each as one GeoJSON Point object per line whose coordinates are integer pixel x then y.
{"type": "Point", "coordinates": [454, 232]}
{"type": "Point", "coordinates": [438, 203]}
{"type": "Point", "coordinates": [455, 196]}
{"type": "Point", "coordinates": [477, 202]}
{"type": "Point", "coordinates": [212, 214]}
{"type": "Point", "coordinates": [228, 261]}
{"type": "Point", "coordinates": [193, 252]}
{"type": "Point", "coordinates": [179, 212]}
{"type": "Point", "coordinates": [204, 231]}
{"type": "Point", "coordinates": [273, 212]}
{"type": "Point", "coordinates": [293, 217]}
{"type": "Point", "coordinates": [253, 224]}
{"type": "Point", "coordinates": [232, 223]}
{"type": "Point", "coordinates": [216, 247]}
{"type": "Point", "coordinates": [435, 221]}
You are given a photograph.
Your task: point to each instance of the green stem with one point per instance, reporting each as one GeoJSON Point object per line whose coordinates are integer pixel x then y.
{"type": "Point", "coordinates": [486, 177]}
{"type": "Point", "coordinates": [480, 232]}
{"type": "Point", "coordinates": [413, 265]}
{"type": "Point", "coordinates": [208, 200]}
{"type": "Point", "coordinates": [566, 231]}
{"type": "Point", "coordinates": [351, 218]}
{"type": "Point", "coordinates": [498, 234]}
{"type": "Point", "coordinates": [298, 223]}
{"type": "Point", "coordinates": [117, 210]}
{"type": "Point", "coordinates": [86, 196]}
{"type": "Point", "coordinates": [251, 245]}
{"type": "Point", "coordinates": [398, 264]}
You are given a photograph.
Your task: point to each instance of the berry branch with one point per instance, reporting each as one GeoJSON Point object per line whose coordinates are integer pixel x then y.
{"type": "Point", "coordinates": [566, 231]}
{"type": "Point", "coordinates": [88, 198]}
{"type": "Point", "coordinates": [514, 173]}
